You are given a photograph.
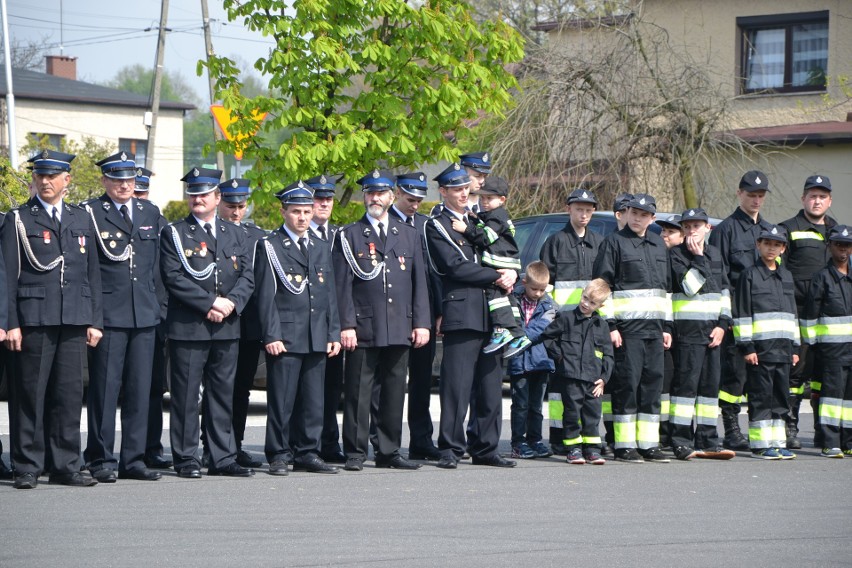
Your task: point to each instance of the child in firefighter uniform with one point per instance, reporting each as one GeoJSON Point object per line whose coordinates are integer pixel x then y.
{"type": "Point", "coordinates": [493, 235]}
{"type": "Point", "coordinates": [701, 306]}
{"type": "Point", "coordinates": [827, 327]}
{"type": "Point", "coordinates": [766, 331]}
{"type": "Point", "coordinates": [578, 341]}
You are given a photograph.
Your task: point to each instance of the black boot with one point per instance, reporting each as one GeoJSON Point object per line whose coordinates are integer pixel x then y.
{"type": "Point", "coordinates": [793, 442]}
{"type": "Point", "coordinates": [819, 442]}
{"type": "Point", "coordinates": [734, 439]}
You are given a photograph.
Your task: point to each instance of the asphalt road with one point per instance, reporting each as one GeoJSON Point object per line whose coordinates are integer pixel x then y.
{"type": "Point", "coordinates": [744, 512]}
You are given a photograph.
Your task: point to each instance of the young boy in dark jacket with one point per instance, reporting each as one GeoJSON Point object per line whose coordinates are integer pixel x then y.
{"type": "Point", "coordinates": [579, 343]}
{"type": "Point", "coordinates": [766, 331]}
{"type": "Point", "coordinates": [530, 370]}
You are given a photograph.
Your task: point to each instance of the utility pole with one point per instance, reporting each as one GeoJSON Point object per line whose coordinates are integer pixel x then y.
{"type": "Point", "coordinates": [156, 87]}
{"type": "Point", "coordinates": [10, 96]}
{"type": "Point", "coordinates": [208, 44]}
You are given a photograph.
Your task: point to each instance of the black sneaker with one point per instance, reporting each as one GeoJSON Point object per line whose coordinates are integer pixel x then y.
{"type": "Point", "coordinates": [684, 453]}
{"type": "Point", "coordinates": [655, 455]}
{"type": "Point", "coordinates": [629, 455]}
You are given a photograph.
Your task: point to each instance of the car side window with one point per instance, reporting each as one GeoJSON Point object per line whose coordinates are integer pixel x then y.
{"type": "Point", "coordinates": [548, 229]}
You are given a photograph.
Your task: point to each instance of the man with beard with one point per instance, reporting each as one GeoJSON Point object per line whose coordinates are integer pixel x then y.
{"type": "Point", "coordinates": [384, 310]}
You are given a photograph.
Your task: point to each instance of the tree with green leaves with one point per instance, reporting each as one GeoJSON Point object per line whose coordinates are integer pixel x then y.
{"type": "Point", "coordinates": [364, 84]}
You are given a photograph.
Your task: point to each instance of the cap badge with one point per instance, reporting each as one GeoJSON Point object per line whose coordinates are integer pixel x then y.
{"type": "Point", "coordinates": [845, 233]}
{"type": "Point", "coordinates": [323, 180]}
{"type": "Point", "coordinates": [456, 167]}
{"type": "Point", "coordinates": [195, 172]}
{"type": "Point", "coordinates": [485, 157]}
{"type": "Point", "coordinates": [774, 231]}
{"type": "Point", "coordinates": [300, 185]}
{"type": "Point", "coordinates": [585, 195]}
{"type": "Point", "coordinates": [139, 172]}
{"type": "Point", "coordinates": [757, 180]}
{"type": "Point", "coordinates": [45, 154]}
{"type": "Point", "coordinates": [642, 201]}
{"type": "Point", "coordinates": [422, 177]}
{"type": "Point", "coordinates": [123, 157]}
{"type": "Point", "coordinates": [819, 179]}
{"type": "Point", "coordinates": [692, 212]}
{"type": "Point", "coordinates": [376, 173]}
{"type": "Point", "coordinates": [234, 184]}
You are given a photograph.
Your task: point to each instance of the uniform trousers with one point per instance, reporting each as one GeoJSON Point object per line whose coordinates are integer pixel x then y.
{"type": "Point", "coordinates": [835, 405]}
{"type": "Point", "coordinates": [695, 396]}
{"type": "Point", "coordinates": [420, 393]}
{"type": "Point", "coordinates": [243, 381]}
{"type": "Point", "coordinates": [330, 442]}
{"type": "Point", "coordinates": [465, 369]}
{"type": "Point", "coordinates": [366, 366]}
{"type": "Point", "coordinates": [767, 385]}
{"type": "Point", "coordinates": [503, 311]}
{"type": "Point", "coordinates": [637, 383]}
{"type": "Point", "coordinates": [47, 399]}
{"type": "Point", "coordinates": [121, 363]}
{"type": "Point", "coordinates": [295, 391]}
{"type": "Point", "coordinates": [733, 380]}
{"type": "Point", "coordinates": [582, 418]}
{"type": "Point", "coordinates": [159, 385]}
{"type": "Point", "coordinates": [214, 364]}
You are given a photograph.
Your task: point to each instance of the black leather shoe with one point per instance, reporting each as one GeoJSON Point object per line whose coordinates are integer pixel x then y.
{"type": "Point", "coordinates": [334, 457]}
{"type": "Point", "coordinates": [75, 479]}
{"type": "Point", "coordinates": [313, 464]}
{"type": "Point", "coordinates": [233, 469]}
{"type": "Point", "coordinates": [157, 462]}
{"type": "Point", "coordinates": [5, 472]}
{"type": "Point", "coordinates": [245, 459]}
{"type": "Point", "coordinates": [424, 453]}
{"type": "Point", "coordinates": [354, 464]}
{"type": "Point", "coordinates": [140, 474]}
{"type": "Point", "coordinates": [396, 462]}
{"type": "Point", "coordinates": [447, 462]}
{"type": "Point", "coordinates": [189, 472]}
{"type": "Point", "coordinates": [494, 461]}
{"type": "Point", "coordinates": [104, 475]}
{"type": "Point", "coordinates": [25, 481]}
{"type": "Point", "coordinates": [278, 467]}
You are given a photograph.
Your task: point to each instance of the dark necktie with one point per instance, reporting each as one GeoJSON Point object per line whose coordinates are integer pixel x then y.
{"type": "Point", "coordinates": [56, 224]}
{"type": "Point", "coordinates": [382, 235]}
{"type": "Point", "coordinates": [208, 228]}
{"type": "Point", "coordinates": [321, 229]}
{"type": "Point", "coordinates": [409, 220]}
{"type": "Point", "coordinates": [126, 215]}
{"type": "Point", "coordinates": [303, 246]}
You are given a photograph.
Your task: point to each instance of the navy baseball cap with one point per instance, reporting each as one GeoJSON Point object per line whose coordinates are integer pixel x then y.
{"type": "Point", "coordinates": [818, 181]}
{"type": "Point", "coordinates": [494, 186]}
{"type": "Point", "coordinates": [840, 234]}
{"type": "Point", "coordinates": [644, 202]}
{"type": "Point", "coordinates": [754, 181]}
{"type": "Point", "coordinates": [670, 221]}
{"type": "Point", "coordinates": [621, 201]}
{"type": "Point", "coordinates": [774, 233]}
{"type": "Point", "coordinates": [582, 196]}
{"type": "Point", "coordinates": [695, 214]}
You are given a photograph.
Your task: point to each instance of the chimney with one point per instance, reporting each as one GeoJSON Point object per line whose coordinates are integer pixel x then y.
{"type": "Point", "coordinates": [62, 66]}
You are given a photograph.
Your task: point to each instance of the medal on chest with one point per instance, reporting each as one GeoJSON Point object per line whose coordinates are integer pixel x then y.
{"type": "Point", "coordinates": [46, 236]}
{"type": "Point", "coordinates": [203, 252]}
{"type": "Point", "coordinates": [82, 241]}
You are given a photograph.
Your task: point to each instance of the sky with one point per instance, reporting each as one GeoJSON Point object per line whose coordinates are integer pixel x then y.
{"type": "Point", "coordinates": [108, 35]}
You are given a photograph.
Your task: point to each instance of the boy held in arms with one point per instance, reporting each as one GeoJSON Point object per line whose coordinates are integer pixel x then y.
{"type": "Point", "coordinates": [529, 371]}
{"type": "Point", "coordinates": [826, 327]}
{"type": "Point", "coordinates": [493, 235]}
{"type": "Point", "coordinates": [579, 343]}
{"type": "Point", "coordinates": [766, 331]}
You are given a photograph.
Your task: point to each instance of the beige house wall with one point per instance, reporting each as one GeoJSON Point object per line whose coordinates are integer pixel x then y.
{"type": "Point", "coordinates": [707, 31]}
{"type": "Point", "coordinates": [107, 124]}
